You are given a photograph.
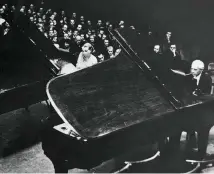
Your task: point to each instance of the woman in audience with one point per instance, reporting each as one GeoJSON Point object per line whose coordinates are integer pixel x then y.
{"type": "Point", "coordinates": [86, 59]}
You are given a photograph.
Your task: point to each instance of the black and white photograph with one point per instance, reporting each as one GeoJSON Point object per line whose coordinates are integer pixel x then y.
{"type": "Point", "coordinates": [107, 86]}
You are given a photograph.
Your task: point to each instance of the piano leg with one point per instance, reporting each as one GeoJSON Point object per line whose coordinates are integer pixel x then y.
{"type": "Point", "coordinates": [60, 166]}
{"type": "Point", "coordinates": [203, 136]}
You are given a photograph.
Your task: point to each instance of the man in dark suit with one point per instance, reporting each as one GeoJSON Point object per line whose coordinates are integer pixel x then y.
{"type": "Point", "coordinates": [198, 83]}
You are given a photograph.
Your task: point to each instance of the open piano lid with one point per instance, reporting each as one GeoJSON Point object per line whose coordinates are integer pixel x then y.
{"type": "Point", "coordinates": [108, 97]}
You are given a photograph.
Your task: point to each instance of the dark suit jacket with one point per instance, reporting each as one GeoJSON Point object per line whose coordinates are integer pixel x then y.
{"type": "Point", "coordinates": [205, 84]}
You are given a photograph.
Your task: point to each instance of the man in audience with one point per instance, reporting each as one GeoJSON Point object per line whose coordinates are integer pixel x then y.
{"type": "Point", "coordinates": [86, 59]}
{"type": "Point", "coordinates": [72, 25]}
{"type": "Point", "coordinates": [76, 46]}
{"type": "Point", "coordinates": [79, 28]}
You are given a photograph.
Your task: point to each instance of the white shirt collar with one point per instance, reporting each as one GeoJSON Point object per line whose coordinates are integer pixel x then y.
{"type": "Point", "coordinates": [197, 78]}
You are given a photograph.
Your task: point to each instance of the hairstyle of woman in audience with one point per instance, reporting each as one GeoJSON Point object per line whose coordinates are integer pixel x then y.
{"type": "Point", "coordinates": [86, 59]}
{"type": "Point", "coordinates": [110, 50]}
{"type": "Point", "coordinates": [117, 52]}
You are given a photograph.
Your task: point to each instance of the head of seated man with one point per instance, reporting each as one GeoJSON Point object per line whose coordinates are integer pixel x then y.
{"type": "Point", "coordinates": [62, 13]}
{"type": "Point", "coordinates": [82, 19]}
{"type": "Point", "coordinates": [75, 33]}
{"type": "Point", "coordinates": [100, 58]}
{"type": "Point", "coordinates": [106, 42]}
{"type": "Point", "coordinates": [72, 22]}
{"type": "Point", "coordinates": [29, 12]}
{"type": "Point", "coordinates": [31, 19]}
{"type": "Point", "coordinates": [99, 23]}
{"type": "Point", "coordinates": [156, 49]}
{"type": "Point", "coordinates": [66, 36]}
{"type": "Point", "coordinates": [79, 27]}
{"type": "Point", "coordinates": [31, 6]}
{"type": "Point", "coordinates": [92, 39]}
{"type": "Point", "coordinates": [65, 28]}
{"type": "Point", "coordinates": [197, 68]}
{"type": "Point", "coordinates": [168, 35]}
{"type": "Point", "coordinates": [202, 82]}
{"type": "Point", "coordinates": [66, 44]}
{"type": "Point", "coordinates": [70, 33]}
{"type": "Point", "coordinates": [51, 33]}
{"type": "Point", "coordinates": [82, 36]}
{"type": "Point", "coordinates": [74, 15]}
{"type": "Point", "coordinates": [40, 20]}
{"type": "Point", "coordinates": [89, 23]}
{"type": "Point", "coordinates": [78, 40]}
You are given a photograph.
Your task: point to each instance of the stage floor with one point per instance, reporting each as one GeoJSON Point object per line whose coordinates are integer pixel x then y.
{"type": "Point", "coordinates": [22, 151]}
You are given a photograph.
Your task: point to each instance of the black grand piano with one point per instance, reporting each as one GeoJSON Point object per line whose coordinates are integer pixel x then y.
{"type": "Point", "coordinates": [106, 110]}
{"type": "Point", "coordinates": [26, 68]}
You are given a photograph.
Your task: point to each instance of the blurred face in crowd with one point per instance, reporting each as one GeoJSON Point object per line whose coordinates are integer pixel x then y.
{"type": "Point", "coordinates": [40, 20]}
{"type": "Point", "coordinates": [66, 44]}
{"type": "Point", "coordinates": [61, 21]}
{"type": "Point", "coordinates": [69, 33]}
{"type": "Point", "coordinates": [99, 22]}
{"type": "Point", "coordinates": [54, 39]}
{"type": "Point", "coordinates": [86, 49]}
{"type": "Point", "coordinates": [82, 18]}
{"type": "Point", "coordinates": [55, 13]}
{"type": "Point", "coordinates": [173, 48]}
{"type": "Point", "coordinates": [29, 12]}
{"type": "Point", "coordinates": [110, 51]}
{"type": "Point", "coordinates": [79, 27]}
{"type": "Point", "coordinates": [89, 23]}
{"type": "Point", "coordinates": [92, 39]}
{"type": "Point", "coordinates": [110, 26]}
{"type": "Point", "coordinates": [63, 13]}
{"type": "Point", "coordinates": [72, 22]}
{"type": "Point", "coordinates": [65, 19]}
{"type": "Point", "coordinates": [66, 36]}
{"type": "Point", "coordinates": [117, 52]}
{"type": "Point", "coordinates": [101, 58]}
{"type": "Point", "coordinates": [31, 6]}
{"type": "Point", "coordinates": [74, 15]}
{"type": "Point", "coordinates": [51, 24]}
{"type": "Point", "coordinates": [78, 39]}
{"type": "Point", "coordinates": [13, 8]}
{"type": "Point", "coordinates": [106, 43]}
{"type": "Point", "coordinates": [41, 29]}
{"type": "Point", "coordinates": [75, 33]}
{"type": "Point", "coordinates": [82, 37]}
{"type": "Point", "coordinates": [107, 23]}
{"type": "Point", "coordinates": [31, 19]}
{"type": "Point", "coordinates": [41, 10]}
{"type": "Point", "coordinates": [65, 28]}
{"type": "Point", "coordinates": [104, 37]}
{"type": "Point", "coordinates": [101, 32]}
{"type": "Point", "coordinates": [44, 17]}
{"type": "Point", "coordinates": [55, 32]}
{"type": "Point", "coordinates": [121, 23]}
{"type": "Point", "coordinates": [39, 14]}
{"type": "Point", "coordinates": [54, 22]}
{"type": "Point", "coordinates": [51, 33]}
{"type": "Point", "coordinates": [21, 10]}
{"type": "Point", "coordinates": [156, 48]}
{"type": "Point", "coordinates": [168, 34]}
{"type": "Point", "coordinates": [89, 32]}
{"type": "Point", "coordinates": [52, 17]}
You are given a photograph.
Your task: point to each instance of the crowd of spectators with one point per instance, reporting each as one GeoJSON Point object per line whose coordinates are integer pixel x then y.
{"type": "Point", "coordinates": [70, 33]}
{"type": "Point", "coordinates": [4, 24]}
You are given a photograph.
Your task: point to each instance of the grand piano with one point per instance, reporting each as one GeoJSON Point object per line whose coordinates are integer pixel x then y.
{"type": "Point", "coordinates": [103, 111]}
{"type": "Point", "coordinates": [26, 68]}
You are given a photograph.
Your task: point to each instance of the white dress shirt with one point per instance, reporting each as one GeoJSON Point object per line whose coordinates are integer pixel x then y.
{"type": "Point", "coordinates": [197, 78]}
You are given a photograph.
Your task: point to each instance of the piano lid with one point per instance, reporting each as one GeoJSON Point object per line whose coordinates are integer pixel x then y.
{"type": "Point", "coordinates": [113, 95]}
{"type": "Point", "coordinates": [106, 97]}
